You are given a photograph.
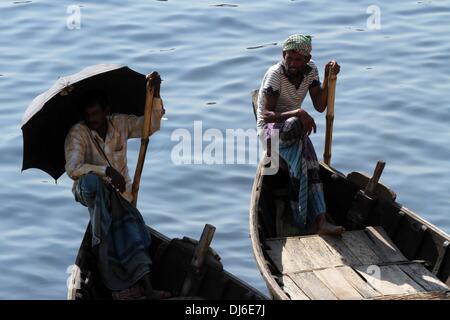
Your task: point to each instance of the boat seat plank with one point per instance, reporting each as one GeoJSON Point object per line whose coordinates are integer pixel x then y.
{"type": "Point", "coordinates": [384, 246]}
{"type": "Point", "coordinates": [359, 283]}
{"type": "Point", "coordinates": [338, 284]}
{"type": "Point", "coordinates": [361, 264]}
{"type": "Point", "coordinates": [280, 257]}
{"type": "Point", "coordinates": [288, 255]}
{"type": "Point", "coordinates": [361, 246]}
{"type": "Point", "coordinates": [294, 292]}
{"type": "Point", "coordinates": [312, 286]}
{"type": "Point", "coordinates": [343, 252]}
{"type": "Point", "coordinates": [389, 280]}
{"type": "Point", "coordinates": [297, 250]}
{"type": "Point", "coordinates": [320, 254]}
{"type": "Point", "coordinates": [423, 277]}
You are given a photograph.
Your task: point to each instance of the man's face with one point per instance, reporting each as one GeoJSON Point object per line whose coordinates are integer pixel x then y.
{"type": "Point", "coordinates": [95, 116]}
{"type": "Point", "coordinates": [295, 62]}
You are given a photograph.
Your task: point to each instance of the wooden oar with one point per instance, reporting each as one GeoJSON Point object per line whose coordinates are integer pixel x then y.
{"type": "Point", "coordinates": [329, 117]}
{"type": "Point", "coordinates": [362, 205]}
{"type": "Point", "coordinates": [193, 278]}
{"type": "Point", "coordinates": [144, 142]}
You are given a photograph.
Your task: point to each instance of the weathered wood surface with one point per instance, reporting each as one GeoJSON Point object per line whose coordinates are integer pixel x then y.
{"type": "Point", "coordinates": [359, 244]}
{"type": "Point", "coordinates": [418, 296]}
{"type": "Point", "coordinates": [312, 286]}
{"type": "Point", "coordinates": [389, 280]}
{"type": "Point", "coordinates": [362, 286]}
{"type": "Point", "coordinates": [385, 247]}
{"type": "Point", "coordinates": [423, 277]}
{"type": "Point", "coordinates": [289, 255]}
{"type": "Point", "coordinates": [338, 284]}
{"type": "Point", "coordinates": [362, 264]}
{"type": "Point", "coordinates": [294, 292]}
{"type": "Point", "coordinates": [381, 191]}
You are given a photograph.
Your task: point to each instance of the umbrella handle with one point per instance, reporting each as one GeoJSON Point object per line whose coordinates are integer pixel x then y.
{"type": "Point", "coordinates": [144, 143]}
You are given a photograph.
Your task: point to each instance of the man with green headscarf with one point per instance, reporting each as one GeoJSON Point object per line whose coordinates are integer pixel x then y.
{"type": "Point", "coordinates": [281, 95]}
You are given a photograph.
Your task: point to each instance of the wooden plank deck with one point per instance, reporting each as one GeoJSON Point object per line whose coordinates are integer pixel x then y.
{"type": "Point", "coordinates": [362, 264]}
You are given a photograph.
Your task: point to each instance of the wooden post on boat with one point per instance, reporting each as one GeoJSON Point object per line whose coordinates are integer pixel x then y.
{"type": "Point", "coordinates": [144, 141]}
{"type": "Point", "coordinates": [358, 214]}
{"type": "Point", "coordinates": [193, 278]}
{"type": "Point", "coordinates": [371, 185]}
{"type": "Point", "coordinates": [329, 117]}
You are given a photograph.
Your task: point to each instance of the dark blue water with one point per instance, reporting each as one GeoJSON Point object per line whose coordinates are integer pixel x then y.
{"type": "Point", "coordinates": [392, 103]}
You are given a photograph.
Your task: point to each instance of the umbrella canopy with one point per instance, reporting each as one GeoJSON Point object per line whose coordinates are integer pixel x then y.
{"type": "Point", "coordinates": [50, 115]}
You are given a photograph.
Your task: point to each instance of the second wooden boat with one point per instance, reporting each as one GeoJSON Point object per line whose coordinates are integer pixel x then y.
{"type": "Point", "coordinates": [388, 252]}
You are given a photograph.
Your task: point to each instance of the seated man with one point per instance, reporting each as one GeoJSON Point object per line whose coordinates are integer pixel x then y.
{"type": "Point", "coordinates": [281, 94]}
{"type": "Point", "coordinates": [95, 151]}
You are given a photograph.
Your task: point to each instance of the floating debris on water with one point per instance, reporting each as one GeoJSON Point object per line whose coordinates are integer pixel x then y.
{"type": "Point", "coordinates": [224, 5]}
{"type": "Point", "coordinates": [211, 103]}
{"type": "Point", "coordinates": [161, 50]}
{"type": "Point", "coordinates": [20, 2]}
{"type": "Point", "coordinates": [369, 68]}
{"type": "Point", "coordinates": [360, 29]}
{"type": "Point", "coordinates": [262, 46]}
{"type": "Point", "coordinates": [164, 50]}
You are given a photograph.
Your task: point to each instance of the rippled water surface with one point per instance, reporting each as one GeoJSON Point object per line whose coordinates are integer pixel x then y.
{"type": "Point", "coordinates": [392, 103]}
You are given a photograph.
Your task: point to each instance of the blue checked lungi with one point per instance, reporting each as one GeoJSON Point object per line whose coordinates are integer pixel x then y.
{"type": "Point", "coordinates": [120, 240]}
{"type": "Point", "coordinates": [297, 150]}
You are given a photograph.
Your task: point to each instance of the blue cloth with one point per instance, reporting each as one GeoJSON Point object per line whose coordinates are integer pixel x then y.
{"type": "Point", "coordinates": [120, 240]}
{"type": "Point", "coordinates": [296, 149]}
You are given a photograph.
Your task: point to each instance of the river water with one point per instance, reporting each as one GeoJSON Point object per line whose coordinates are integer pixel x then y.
{"type": "Point", "coordinates": [392, 103]}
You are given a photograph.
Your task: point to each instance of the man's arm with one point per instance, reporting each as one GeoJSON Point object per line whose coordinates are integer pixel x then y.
{"type": "Point", "coordinates": [135, 123]}
{"type": "Point", "coordinates": [319, 94]}
{"type": "Point", "coordinates": [75, 150]}
{"type": "Point", "coordinates": [269, 115]}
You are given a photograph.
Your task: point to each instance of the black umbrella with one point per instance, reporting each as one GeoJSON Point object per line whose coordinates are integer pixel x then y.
{"type": "Point", "coordinates": [50, 116]}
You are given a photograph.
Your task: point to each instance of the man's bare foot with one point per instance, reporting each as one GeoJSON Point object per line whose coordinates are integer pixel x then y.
{"type": "Point", "coordinates": [150, 293]}
{"type": "Point", "coordinates": [158, 295]}
{"type": "Point", "coordinates": [326, 228]}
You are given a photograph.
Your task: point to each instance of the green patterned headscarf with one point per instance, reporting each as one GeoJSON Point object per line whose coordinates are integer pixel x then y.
{"type": "Point", "coordinates": [298, 42]}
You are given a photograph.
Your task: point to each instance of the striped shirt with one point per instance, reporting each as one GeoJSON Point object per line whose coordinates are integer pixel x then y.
{"type": "Point", "coordinates": [289, 97]}
{"type": "Point", "coordinates": [82, 153]}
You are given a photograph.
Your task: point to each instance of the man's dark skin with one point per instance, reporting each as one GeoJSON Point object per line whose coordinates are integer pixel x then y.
{"type": "Point", "coordinates": [95, 119]}
{"type": "Point", "coordinates": [295, 62]}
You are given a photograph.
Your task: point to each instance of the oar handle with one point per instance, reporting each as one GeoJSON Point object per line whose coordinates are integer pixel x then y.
{"type": "Point", "coordinates": [144, 142]}
{"type": "Point", "coordinates": [329, 117]}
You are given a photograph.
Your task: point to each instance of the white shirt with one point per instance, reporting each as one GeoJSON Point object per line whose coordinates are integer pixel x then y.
{"type": "Point", "coordinates": [290, 97]}
{"type": "Point", "coordinates": [82, 153]}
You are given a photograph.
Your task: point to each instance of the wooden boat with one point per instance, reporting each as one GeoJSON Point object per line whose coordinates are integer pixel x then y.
{"type": "Point", "coordinates": [388, 251]}
{"type": "Point", "coordinates": [171, 267]}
